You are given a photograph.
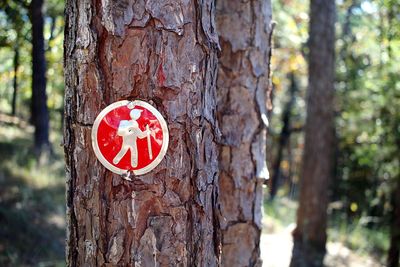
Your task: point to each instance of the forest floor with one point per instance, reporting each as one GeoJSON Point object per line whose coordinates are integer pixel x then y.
{"type": "Point", "coordinates": [276, 251]}
{"type": "Point", "coordinates": [276, 241]}
{"type": "Point", "coordinates": [32, 210]}
{"type": "Point", "coordinates": [32, 199]}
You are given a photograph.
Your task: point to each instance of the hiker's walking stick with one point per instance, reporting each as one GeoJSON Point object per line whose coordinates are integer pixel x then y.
{"type": "Point", "coordinates": [149, 142]}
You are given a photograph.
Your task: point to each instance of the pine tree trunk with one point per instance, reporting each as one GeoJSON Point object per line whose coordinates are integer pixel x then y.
{"type": "Point", "coordinates": [162, 52]}
{"type": "Point", "coordinates": [40, 113]}
{"type": "Point", "coordinates": [245, 31]}
{"type": "Point", "coordinates": [317, 171]}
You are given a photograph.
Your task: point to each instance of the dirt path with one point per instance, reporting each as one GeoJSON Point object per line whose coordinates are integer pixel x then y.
{"type": "Point", "coordinates": [276, 250]}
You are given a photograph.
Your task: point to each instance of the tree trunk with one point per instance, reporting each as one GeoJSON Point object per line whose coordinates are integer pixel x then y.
{"type": "Point", "coordinates": [162, 52]}
{"type": "Point", "coordinates": [243, 79]}
{"type": "Point", "coordinates": [15, 81]}
{"type": "Point", "coordinates": [394, 250]}
{"type": "Point", "coordinates": [317, 171]}
{"type": "Point", "coordinates": [284, 137]}
{"type": "Point", "coordinates": [40, 114]}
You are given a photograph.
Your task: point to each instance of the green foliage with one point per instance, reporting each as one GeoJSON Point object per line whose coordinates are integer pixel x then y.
{"type": "Point", "coordinates": [356, 236]}
{"type": "Point", "coordinates": [15, 34]}
{"type": "Point", "coordinates": [289, 41]}
{"type": "Point", "coordinates": [368, 103]}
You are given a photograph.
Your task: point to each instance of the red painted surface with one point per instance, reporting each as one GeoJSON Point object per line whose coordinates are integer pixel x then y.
{"type": "Point", "coordinates": [161, 75]}
{"type": "Point", "coordinates": [110, 142]}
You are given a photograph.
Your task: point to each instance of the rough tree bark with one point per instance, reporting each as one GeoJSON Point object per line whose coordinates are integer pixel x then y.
{"type": "Point", "coordinates": [40, 113]}
{"type": "Point", "coordinates": [317, 171]}
{"type": "Point", "coordinates": [245, 30]}
{"type": "Point", "coordinates": [163, 52]}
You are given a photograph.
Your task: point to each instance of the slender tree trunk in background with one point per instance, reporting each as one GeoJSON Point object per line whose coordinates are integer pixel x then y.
{"type": "Point", "coordinates": [53, 21]}
{"type": "Point", "coordinates": [283, 137]}
{"type": "Point", "coordinates": [244, 28]}
{"type": "Point", "coordinates": [317, 171]}
{"type": "Point", "coordinates": [163, 52]}
{"type": "Point", "coordinates": [394, 250]}
{"type": "Point", "coordinates": [40, 113]}
{"type": "Point", "coordinates": [15, 81]}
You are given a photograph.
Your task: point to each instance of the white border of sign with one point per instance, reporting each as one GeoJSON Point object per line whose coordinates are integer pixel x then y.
{"type": "Point", "coordinates": [160, 155]}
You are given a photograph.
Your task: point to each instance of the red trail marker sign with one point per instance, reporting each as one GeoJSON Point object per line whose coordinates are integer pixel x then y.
{"type": "Point", "coordinates": [130, 136]}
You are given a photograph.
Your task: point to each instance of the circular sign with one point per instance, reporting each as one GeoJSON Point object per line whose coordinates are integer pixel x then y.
{"type": "Point", "coordinates": [130, 136]}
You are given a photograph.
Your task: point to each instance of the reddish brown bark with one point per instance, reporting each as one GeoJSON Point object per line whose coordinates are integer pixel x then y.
{"type": "Point", "coordinates": [245, 30]}
{"type": "Point", "coordinates": [162, 52]}
{"type": "Point", "coordinates": [317, 170]}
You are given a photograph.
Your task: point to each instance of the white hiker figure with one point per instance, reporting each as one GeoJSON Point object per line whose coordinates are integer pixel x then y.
{"type": "Point", "coordinates": [130, 131]}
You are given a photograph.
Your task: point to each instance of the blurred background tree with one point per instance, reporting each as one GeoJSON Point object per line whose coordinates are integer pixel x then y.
{"type": "Point", "coordinates": [15, 54]}
{"type": "Point", "coordinates": [363, 193]}
{"type": "Point", "coordinates": [309, 237]}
